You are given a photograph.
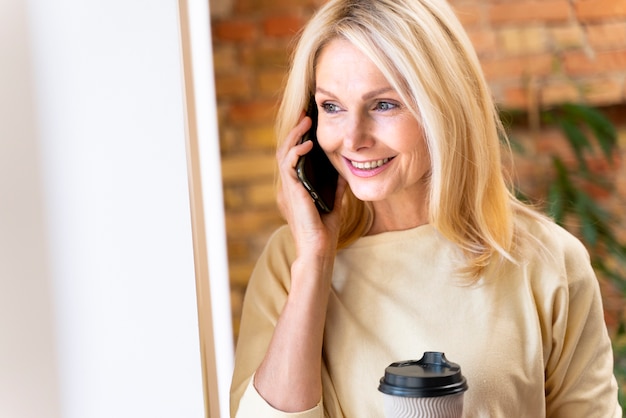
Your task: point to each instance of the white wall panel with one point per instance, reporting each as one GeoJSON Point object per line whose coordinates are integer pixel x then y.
{"type": "Point", "coordinates": [98, 314]}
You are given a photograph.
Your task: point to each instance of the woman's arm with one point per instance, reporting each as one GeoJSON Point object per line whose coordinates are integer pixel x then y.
{"type": "Point", "coordinates": [266, 297]}
{"type": "Point", "coordinates": [289, 375]}
{"type": "Point", "coordinates": [579, 370]}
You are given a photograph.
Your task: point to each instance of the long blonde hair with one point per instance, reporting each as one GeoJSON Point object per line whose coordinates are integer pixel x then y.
{"type": "Point", "coordinates": [422, 49]}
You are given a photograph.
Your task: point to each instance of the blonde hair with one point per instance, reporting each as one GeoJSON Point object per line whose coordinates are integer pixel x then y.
{"type": "Point", "coordinates": [422, 49]}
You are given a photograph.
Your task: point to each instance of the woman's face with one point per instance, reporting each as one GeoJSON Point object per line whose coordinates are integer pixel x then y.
{"type": "Point", "coordinates": [368, 133]}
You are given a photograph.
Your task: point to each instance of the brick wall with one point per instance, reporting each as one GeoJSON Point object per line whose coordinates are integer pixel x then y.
{"type": "Point", "coordinates": [550, 50]}
{"type": "Point", "coordinates": [534, 54]}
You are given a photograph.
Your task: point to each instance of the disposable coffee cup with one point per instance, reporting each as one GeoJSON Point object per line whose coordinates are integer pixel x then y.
{"type": "Point", "coordinates": [431, 387]}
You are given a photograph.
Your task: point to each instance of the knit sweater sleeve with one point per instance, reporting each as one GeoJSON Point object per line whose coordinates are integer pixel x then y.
{"type": "Point", "coordinates": [265, 297]}
{"type": "Point", "coordinates": [253, 405]}
{"type": "Point", "coordinates": [579, 367]}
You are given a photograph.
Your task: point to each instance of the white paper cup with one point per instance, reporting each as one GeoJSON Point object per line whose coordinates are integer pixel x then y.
{"type": "Point", "coordinates": [431, 387]}
{"type": "Point", "coordinates": [450, 406]}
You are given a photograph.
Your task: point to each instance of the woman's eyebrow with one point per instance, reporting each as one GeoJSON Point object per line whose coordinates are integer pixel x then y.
{"type": "Point", "coordinates": [366, 96]}
{"type": "Point", "coordinates": [326, 92]}
{"type": "Point", "coordinates": [377, 92]}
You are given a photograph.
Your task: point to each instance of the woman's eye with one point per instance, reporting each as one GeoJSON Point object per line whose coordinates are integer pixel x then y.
{"type": "Point", "coordinates": [384, 106]}
{"type": "Point", "coordinates": [330, 108]}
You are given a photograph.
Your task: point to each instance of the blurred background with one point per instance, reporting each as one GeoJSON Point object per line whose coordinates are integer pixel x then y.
{"type": "Point", "coordinates": [538, 57]}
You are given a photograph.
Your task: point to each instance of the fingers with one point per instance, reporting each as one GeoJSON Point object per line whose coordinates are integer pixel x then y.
{"type": "Point", "coordinates": [293, 138]}
{"type": "Point", "coordinates": [291, 150]}
{"type": "Point", "coordinates": [291, 191]}
{"type": "Point", "coordinates": [313, 232]}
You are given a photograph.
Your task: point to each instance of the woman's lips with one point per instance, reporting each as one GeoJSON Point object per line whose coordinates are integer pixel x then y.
{"type": "Point", "coordinates": [368, 168]}
{"type": "Point", "coordinates": [368, 165]}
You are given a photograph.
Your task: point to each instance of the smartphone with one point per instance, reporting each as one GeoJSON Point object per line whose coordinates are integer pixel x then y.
{"type": "Point", "coordinates": [315, 170]}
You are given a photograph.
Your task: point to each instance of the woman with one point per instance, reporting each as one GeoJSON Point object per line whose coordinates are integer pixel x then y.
{"type": "Point", "coordinates": [426, 248]}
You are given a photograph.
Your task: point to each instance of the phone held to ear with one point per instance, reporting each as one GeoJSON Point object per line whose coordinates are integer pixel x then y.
{"type": "Point", "coordinates": [314, 169]}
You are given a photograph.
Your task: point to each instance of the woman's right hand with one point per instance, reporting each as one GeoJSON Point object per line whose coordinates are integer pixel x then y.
{"type": "Point", "coordinates": [314, 233]}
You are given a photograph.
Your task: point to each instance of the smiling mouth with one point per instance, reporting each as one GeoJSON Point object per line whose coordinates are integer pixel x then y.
{"type": "Point", "coordinates": [369, 165]}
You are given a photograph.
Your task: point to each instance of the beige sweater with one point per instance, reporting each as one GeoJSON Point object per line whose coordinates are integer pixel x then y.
{"type": "Point", "coordinates": [530, 338]}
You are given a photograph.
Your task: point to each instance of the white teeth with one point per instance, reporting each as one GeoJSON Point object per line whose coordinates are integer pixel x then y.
{"type": "Point", "coordinates": [368, 165]}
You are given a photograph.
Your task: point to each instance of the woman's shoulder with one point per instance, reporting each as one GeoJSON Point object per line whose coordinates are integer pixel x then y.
{"type": "Point", "coordinates": [548, 232]}
{"type": "Point", "coordinates": [279, 249]}
{"type": "Point", "coordinates": [272, 268]}
{"type": "Point", "coordinates": [281, 236]}
{"type": "Point", "coordinates": [544, 241]}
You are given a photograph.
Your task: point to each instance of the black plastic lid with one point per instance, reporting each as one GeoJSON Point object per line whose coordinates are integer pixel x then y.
{"type": "Point", "coordinates": [431, 376]}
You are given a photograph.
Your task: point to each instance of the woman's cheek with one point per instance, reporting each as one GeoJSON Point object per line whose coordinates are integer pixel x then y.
{"type": "Point", "coordinates": [325, 139]}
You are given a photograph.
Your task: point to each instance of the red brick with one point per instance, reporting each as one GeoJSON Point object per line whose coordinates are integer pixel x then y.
{"type": "Point", "coordinates": [258, 139]}
{"type": "Point", "coordinates": [232, 86]}
{"type": "Point", "coordinates": [222, 113]}
{"type": "Point", "coordinates": [600, 166]}
{"type": "Point", "coordinates": [530, 11]}
{"type": "Point", "coordinates": [516, 98]}
{"type": "Point", "coordinates": [590, 10]}
{"type": "Point", "coordinates": [552, 142]}
{"type": "Point", "coordinates": [578, 63]}
{"type": "Point", "coordinates": [484, 41]}
{"type": "Point", "coordinates": [242, 223]}
{"type": "Point", "coordinates": [234, 30]}
{"type": "Point", "coordinates": [220, 8]}
{"type": "Point", "coordinates": [262, 195]}
{"type": "Point", "coordinates": [523, 40]}
{"type": "Point", "coordinates": [247, 168]}
{"type": "Point", "coordinates": [270, 83]}
{"type": "Point", "coordinates": [597, 163]}
{"type": "Point", "coordinates": [518, 67]}
{"type": "Point", "coordinates": [252, 113]}
{"type": "Point", "coordinates": [603, 92]}
{"type": "Point", "coordinates": [265, 57]}
{"type": "Point", "coordinates": [567, 37]}
{"type": "Point", "coordinates": [613, 302]}
{"type": "Point", "coordinates": [240, 273]}
{"type": "Point", "coordinates": [224, 59]}
{"type": "Point", "coordinates": [469, 14]}
{"type": "Point", "coordinates": [558, 93]}
{"type": "Point", "coordinates": [281, 26]}
{"type": "Point", "coordinates": [607, 35]}
{"type": "Point", "coordinates": [275, 6]}
{"type": "Point", "coordinates": [233, 200]}
{"type": "Point", "coordinates": [595, 191]}
{"type": "Point", "coordinates": [229, 139]}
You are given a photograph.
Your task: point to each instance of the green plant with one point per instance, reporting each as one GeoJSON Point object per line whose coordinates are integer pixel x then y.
{"type": "Point", "coordinates": [570, 201]}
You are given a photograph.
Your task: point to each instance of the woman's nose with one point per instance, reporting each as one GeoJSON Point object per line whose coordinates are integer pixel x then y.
{"type": "Point", "coordinates": [357, 132]}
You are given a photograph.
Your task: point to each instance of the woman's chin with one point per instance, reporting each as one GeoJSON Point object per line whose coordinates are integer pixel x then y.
{"type": "Point", "coordinates": [367, 195]}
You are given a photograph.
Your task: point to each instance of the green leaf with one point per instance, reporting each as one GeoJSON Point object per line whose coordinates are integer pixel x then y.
{"type": "Point", "coordinates": [603, 130]}
{"type": "Point", "coordinates": [587, 224]}
{"type": "Point", "coordinates": [560, 192]}
{"type": "Point", "coordinates": [577, 140]}
{"type": "Point", "coordinates": [555, 204]}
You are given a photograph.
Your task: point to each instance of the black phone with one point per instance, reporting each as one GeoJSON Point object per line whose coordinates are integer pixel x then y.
{"type": "Point", "coordinates": [315, 170]}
